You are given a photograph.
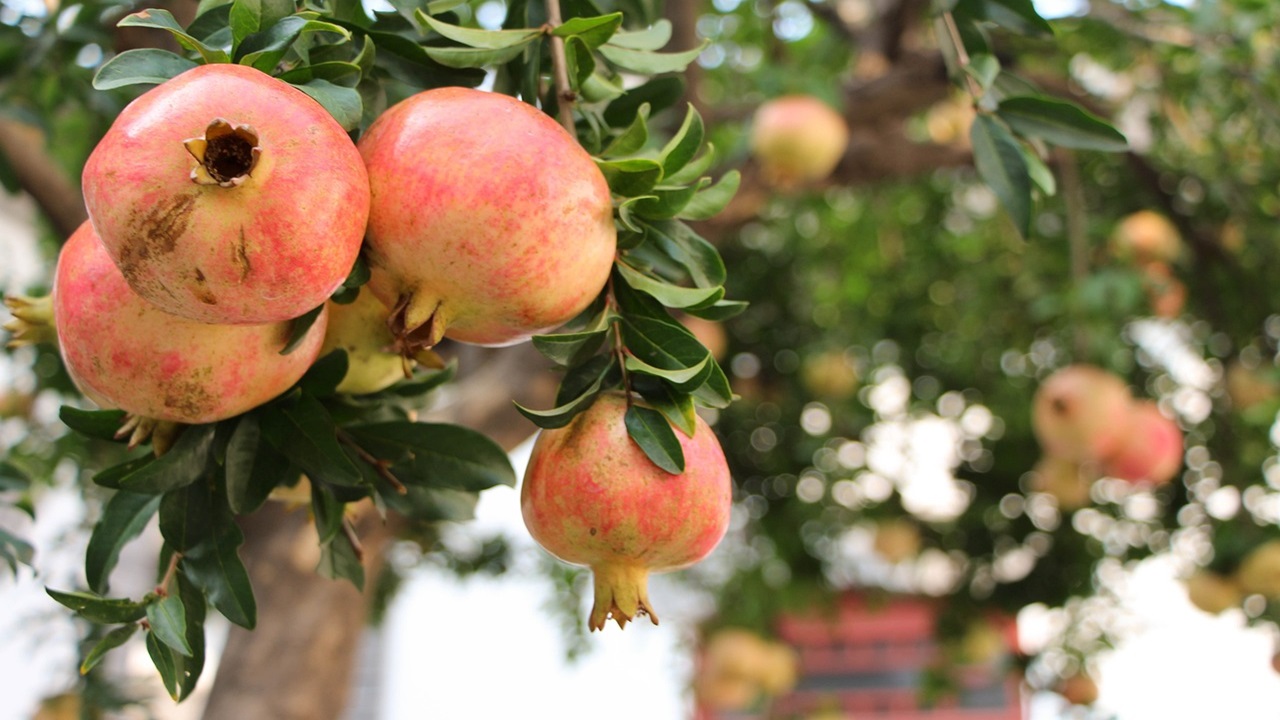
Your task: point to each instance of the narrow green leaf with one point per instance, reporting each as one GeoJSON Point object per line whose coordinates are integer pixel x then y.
{"type": "Point", "coordinates": [124, 517]}
{"type": "Point", "coordinates": [327, 512]}
{"type": "Point", "coordinates": [253, 468]}
{"type": "Point", "coordinates": [163, 658]}
{"type": "Point", "coordinates": [715, 392]}
{"type": "Point", "coordinates": [626, 216]}
{"type": "Point", "coordinates": [651, 431]}
{"type": "Point", "coordinates": [324, 376]}
{"type": "Point", "coordinates": [684, 145]}
{"type": "Point", "coordinates": [710, 201]}
{"type": "Point", "coordinates": [1017, 15]}
{"type": "Point", "coordinates": [482, 39]}
{"type": "Point", "coordinates": [581, 62]}
{"type": "Point", "coordinates": [685, 379]}
{"type": "Point", "coordinates": [245, 19]}
{"type": "Point", "coordinates": [677, 407]}
{"type": "Point", "coordinates": [684, 246]}
{"type": "Point", "coordinates": [652, 38]}
{"type": "Point", "coordinates": [594, 31]}
{"type": "Point", "coordinates": [187, 516]}
{"type": "Point", "coordinates": [694, 169]}
{"type": "Point", "coordinates": [983, 68]}
{"type": "Point", "coordinates": [301, 325]}
{"type": "Point", "coordinates": [163, 20]}
{"type": "Point", "coordinates": [631, 177]}
{"type": "Point", "coordinates": [569, 348]}
{"type": "Point", "coordinates": [346, 106]}
{"type": "Point", "coordinates": [666, 201]}
{"type": "Point", "coordinates": [1061, 123]}
{"type": "Point", "coordinates": [438, 455]}
{"type": "Point", "coordinates": [194, 606]}
{"type": "Point", "coordinates": [109, 642]}
{"type": "Point", "coordinates": [106, 611]}
{"type": "Point", "coordinates": [665, 344]}
{"type": "Point", "coordinates": [182, 465]}
{"type": "Point", "coordinates": [306, 434]}
{"type": "Point", "coordinates": [633, 139]}
{"type": "Point", "coordinates": [465, 57]}
{"type": "Point", "coordinates": [215, 567]}
{"type": "Point", "coordinates": [265, 49]}
{"type": "Point", "coordinates": [15, 550]}
{"type": "Point", "coordinates": [650, 63]}
{"type": "Point", "coordinates": [1040, 173]}
{"type": "Point", "coordinates": [338, 72]}
{"type": "Point", "coordinates": [111, 477]}
{"type": "Point", "coordinates": [665, 292]}
{"type": "Point", "coordinates": [339, 560]}
{"type": "Point", "coordinates": [100, 424]}
{"type": "Point", "coordinates": [140, 66]}
{"type": "Point", "coordinates": [573, 401]}
{"type": "Point", "coordinates": [168, 621]}
{"type": "Point", "coordinates": [1001, 166]}
{"type": "Point", "coordinates": [660, 93]}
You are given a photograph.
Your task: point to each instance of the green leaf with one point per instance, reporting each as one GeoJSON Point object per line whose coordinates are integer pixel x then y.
{"type": "Point", "coordinates": [594, 31]}
{"type": "Point", "coordinates": [323, 377]}
{"type": "Point", "coordinates": [1060, 123]}
{"type": "Point", "coordinates": [182, 465]}
{"type": "Point", "coordinates": [665, 292]}
{"type": "Point", "coordinates": [106, 611]}
{"type": "Point", "coordinates": [581, 62]}
{"type": "Point", "coordinates": [626, 216]}
{"type": "Point", "coordinates": [14, 476]}
{"type": "Point", "coordinates": [651, 431]}
{"type": "Point", "coordinates": [983, 68]}
{"type": "Point", "coordinates": [245, 19]}
{"type": "Point", "coordinates": [684, 145]}
{"type": "Point", "coordinates": [699, 257]}
{"type": "Point", "coordinates": [193, 604]}
{"type": "Point", "coordinates": [339, 560]}
{"type": "Point", "coordinates": [483, 39]}
{"type": "Point", "coordinates": [100, 424]}
{"type": "Point", "coordinates": [327, 512]}
{"type": "Point", "coordinates": [652, 38]}
{"type": "Point", "coordinates": [633, 139]}
{"type": "Point", "coordinates": [338, 72]}
{"type": "Point", "coordinates": [667, 201]}
{"type": "Point", "coordinates": [677, 407]}
{"type": "Point", "coordinates": [265, 49]}
{"type": "Point", "coordinates": [659, 93]}
{"type": "Point", "coordinates": [1001, 166]}
{"type": "Point", "coordinates": [111, 477]}
{"type": "Point", "coordinates": [163, 20]}
{"type": "Point", "coordinates": [306, 434]}
{"type": "Point", "coordinates": [1040, 173]}
{"type": "Point", "coordinates": [437, 455]}
{"type": "Point", "coordinates": [163, 658]}
{"type": "Point", "coordinates": [109, 642]}
{"type": "Point", "coordinates": [168, 620]}
{"type": "Point", "coordinates": [663, 343]}
{"type": "Point", "coordinates": [346, 106]}
{"type": "Point", "coordinates": [695, 168]}
{"type": "Point", "coordinates": [684, 379]}
{"type": "Point", "coordinates": [301, 325]}
{"type": "Point", "coordinates": [715, 392]}
{"type": "Point", "coordinates": [465, 57]}
{"type": "Point", "coordinates": [650, 63]}
{"type": "Point", "coordinates": [1017, 15]}
{"type": "Point", "coordinates": [140, 66]}
{"type": "Point", "coordinates": [574, 399]}
{"type": "Point", "coordinates": [187, 516]}
{"type": "Point", "coordinates": [215, 567]}
{"type": "Point", "coordinates": [710, 201]}
{"type": "Point", "coordinates": [570, 348]}
{"type": "Point", "coordinates": [14, 550]}
{"type": "Point", "coordinates": [124, 517]}
{"type": "Point", "coordinates": [253, 469]}
{"type": "Point", "coordinates": [631, 177]}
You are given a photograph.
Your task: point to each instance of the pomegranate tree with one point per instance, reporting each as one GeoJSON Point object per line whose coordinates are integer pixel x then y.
{"type": "Point", "coordinates": [125, 353]}
{"type": "Point", "coordinates": [227, 196]}
{"type": "Point", "coordinates": [488, 223]}
{"type": "Point", "coordinates": [592, 497]}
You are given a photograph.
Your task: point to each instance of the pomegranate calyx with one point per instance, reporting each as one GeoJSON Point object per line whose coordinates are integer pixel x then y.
{"type": "Point", "coordinates": [225, 156]}
{"type": "Point", "coordinates": [32, 321]}
{"type": "Point", "coordinates": [163, 433]}
{"type": "Point", "coordinates": [418, 324]}
{"type": "Point", "coordinates": [621, 593]}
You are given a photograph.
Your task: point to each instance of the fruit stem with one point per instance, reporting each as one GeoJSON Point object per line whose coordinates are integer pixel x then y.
{"type": "Point", "coordinates": [350, 532]}
{"type": "Point", "coordinates": [565, 96]}
{"type": "Point", "coordinates": [619, 350]}
{"type": "Point", "coordinates": [379, 466]}
{"type": "Point", "coordinates": [163, 588]}
{"type": "Point", "coordinates": [962, 55]}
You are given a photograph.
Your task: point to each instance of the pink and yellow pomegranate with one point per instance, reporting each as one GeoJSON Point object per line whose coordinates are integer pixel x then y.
{"type": "Point", "coordinates": [488, 222]}
{"type": "Point", "coordinates": [591, 497]}
{"type": "Point", "coordinates": [227, 196]}
{"type": "Point", "coordinates": [1152, 450]}
{"type": "Point", "coordinates": [360, 329]}
{"type": "Point", "coordinates": [1082, 413]}
{"type": "Point", "coordinates": [125, 353]}
{"type": "Point", "coordinates": [798, 139]}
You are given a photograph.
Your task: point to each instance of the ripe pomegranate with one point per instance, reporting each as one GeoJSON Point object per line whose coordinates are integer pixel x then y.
{"type": "Point", "coordinates": [227, 196]}
{"type": "Point", "coordinates": [1166, 294]}
{"type": "Point", "coordinates": [1079, 689]}
{"type": "Point", "coordinates": [488, 224]}
{"type": "Point", "coordinates": [897, 540]}
{"type": "Point", "coordinates": [1152, 450]}
{"type": "Point", "coordinates": [125, 353]}
{"type": "Point", "coordinates": [1081, 413]}
{"type": "Point", "coordinates": [360, 328]}
{"type": "Point", "coordinates": [591, 497]}
{"type": "Point", "coordinates": [1259, 572]}
{"type": "Point", "coordinates": [1146, 236]}
{"type": "Point", "coordinates": [798, 139]}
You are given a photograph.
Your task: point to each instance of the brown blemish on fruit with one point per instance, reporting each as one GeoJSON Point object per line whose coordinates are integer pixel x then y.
{"type": "Point", "coordinates": [201, 290]}
{"type": "Point", "coordinates": [159, 229]}
{"type": "Point", "coordinates": [240, 256]}
{"type": "Point", "coordinates": [190, 397]}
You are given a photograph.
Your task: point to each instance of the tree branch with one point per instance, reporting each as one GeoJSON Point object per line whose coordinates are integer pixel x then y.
{"type": "Point", "coordinates": [23, 146]}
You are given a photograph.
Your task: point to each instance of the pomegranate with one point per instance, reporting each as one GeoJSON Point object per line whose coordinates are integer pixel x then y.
{"type": "Point", "coordinates": [125, 353]}
{"type": "Point", "coordinates": [1166, 294]}
{"type": "Point", "coordinates": [897, 540]}
{"type": "Point", "coordinates": [1213, 593]}
{"type": "Point", "coordinates": [227, 196]}
{"type": "Point", "coordinates": [488, 223]}
{"type": "Point", "coordinates": [591, 497]}
{"type": "Point", "coordinates": [1259, 572]}
{"type": "Point", "coordinates": [1079, 689]}
{"type": "Point", "coordinates": [1152, 450]}
{"type": "Point", "coordinates": [1065, 480]}
{"type": "Point", "coordinates": [798, 139]}
{"type": "Point", "coordinates": [1146, 236]}
{"type": "Point", "coordinates": [360, 328]}
{"type": "Point", "coordinates": [1081, 413]}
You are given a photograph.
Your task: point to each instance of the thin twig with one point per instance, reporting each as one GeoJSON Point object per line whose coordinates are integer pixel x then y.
{"type": "Point", "coordinates": [565, 96]}
{"type": "Point", "coordinates": [619, 350]}
{"type": "Point", "coordinates": [1077, 236]}
{"type": "Point", "coordinates": [962, 55]}
{"type": "Point", "coordinates": [379, 466]}
{"type": "Point", "coordinates": [350, 531]}
{"type": "Point", "coordinates": [163, 588]}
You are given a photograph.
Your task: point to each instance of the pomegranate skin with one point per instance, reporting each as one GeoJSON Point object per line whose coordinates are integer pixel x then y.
{"type": "Point", "coordinates": [488, 223]}
{"type": "Point", "coordinates": [591, 497]}
{"type": "Point", "coordinates": [125, 353]}
{"type": "Point", "coordinates": [268, 249]}
{"type": "Point", "coordinates": [1153, 450]}
{"type": "Point", "coordinates": [1082, 413]}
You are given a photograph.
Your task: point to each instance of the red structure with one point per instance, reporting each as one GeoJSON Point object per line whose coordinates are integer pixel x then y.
{"type": "Point", "coordinates": [866, 660]}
